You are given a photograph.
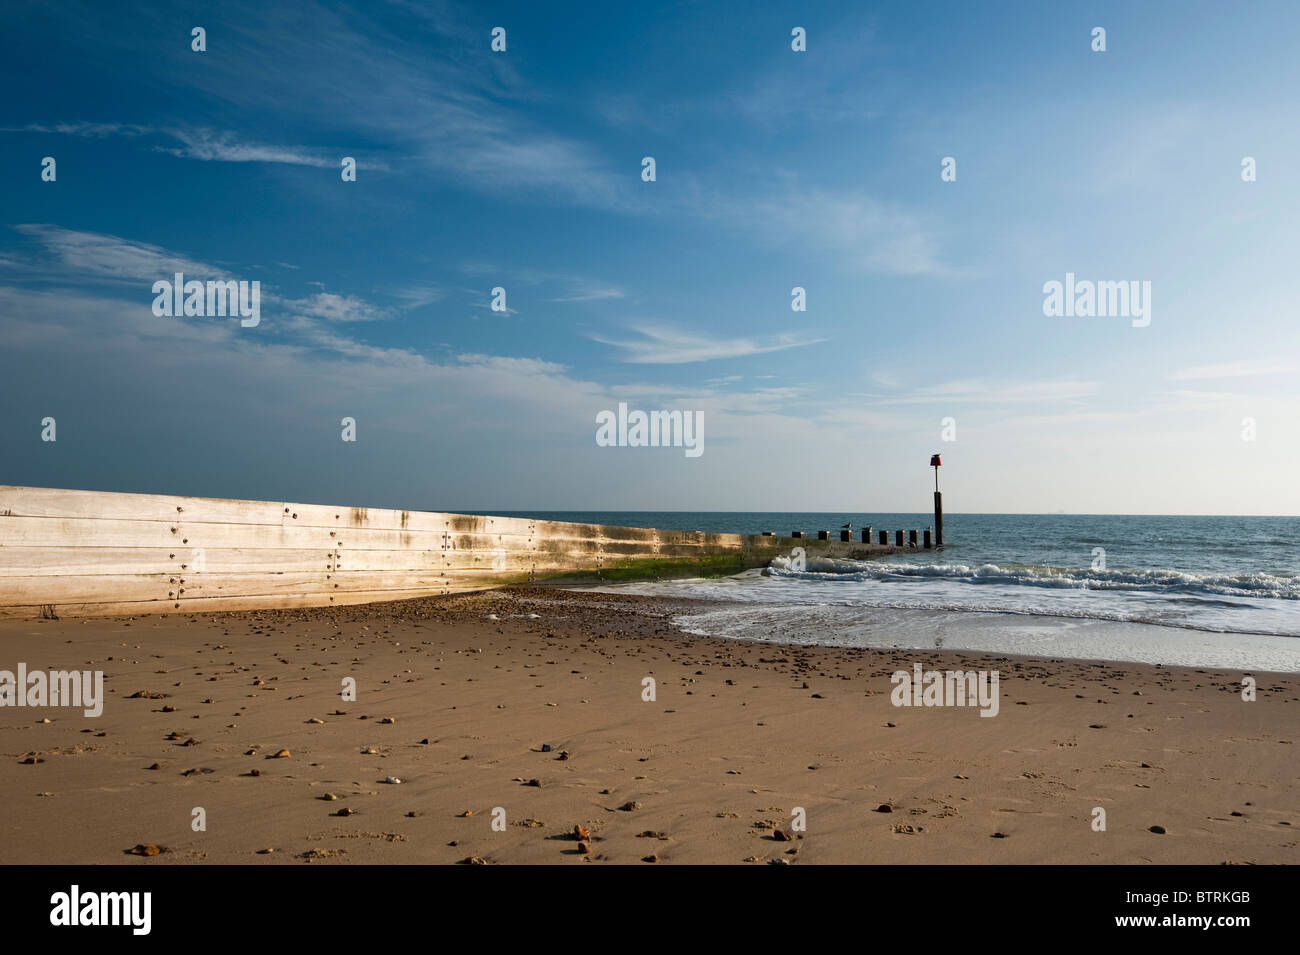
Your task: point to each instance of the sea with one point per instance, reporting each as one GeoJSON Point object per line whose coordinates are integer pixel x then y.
{"type": "Point", "coordinates": [1220, 592]}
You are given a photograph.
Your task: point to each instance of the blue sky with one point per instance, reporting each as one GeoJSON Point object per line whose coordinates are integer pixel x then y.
{"type": "Point", "coordinates": [775, 169]}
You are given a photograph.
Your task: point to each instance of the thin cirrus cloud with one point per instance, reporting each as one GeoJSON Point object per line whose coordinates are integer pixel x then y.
{"type": "Point", "coordinates": [665, 345]}
{"type": "Point", "coordinates": [983, 391]}
{"type": "Point", "coordinates": [337, 308]}
{"type": "Point", "coordinates": [115, 260]}
{"type": "Point", "coordinates": [590, 295]}
{"type": "Point", "coordinates": [863, 233]}
{"type": "Point", "coordinates": [110, 258]}
{"type": "Point", "coordinates": [207, 145]}
{"type": "Point", "coordinates": [213, 146]}
{"type": "Point", "coordinates": [1244, 368]}
{"type": "Point", "coordinates": [82, 128]}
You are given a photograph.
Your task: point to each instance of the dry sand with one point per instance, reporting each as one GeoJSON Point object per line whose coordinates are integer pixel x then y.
{"type": "Point", "coordinates": [458, 706]}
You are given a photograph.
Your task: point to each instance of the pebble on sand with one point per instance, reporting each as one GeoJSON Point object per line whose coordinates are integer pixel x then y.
{"type": "Point", "coordinates": [1158, 830]}
{"type": "Point", "coordinates": [884, 807]}
{"type": "Point", "coordinates": [581, 833]}
{"type": "Point", "coordinates": [145, 849]}
{"type": "Point", "coordinates": [282, 754]}
{"type": "Point", "coordinates": [630, 806]}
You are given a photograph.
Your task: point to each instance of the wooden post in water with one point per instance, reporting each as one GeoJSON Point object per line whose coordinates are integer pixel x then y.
{"type": "Point", "coordinates": [884, 538]}
{"type": "Point", "coordinates": [935, 463]}
{"type": "Point", "coordinates": [846, 536]}
{"type": "Point", "coordinates": [898, 538]}
{"type": "Point", "coordinates": [796, 533]}
{"type": "Point", "coordinates": [823, 535]}
{"type": "Point", "coordinates": [911, 539]}
{"type": "Point", "coordinates": [866, 535]}
{"type": "Point", "coordinates": [928, 542]}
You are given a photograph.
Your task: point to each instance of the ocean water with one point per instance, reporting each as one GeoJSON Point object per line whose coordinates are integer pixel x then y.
{"type": "Point", "coordinates": [1201, 591]}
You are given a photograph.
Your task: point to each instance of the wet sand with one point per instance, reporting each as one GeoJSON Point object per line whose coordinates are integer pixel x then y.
{"type": "Point", "coordinates": [458, 707]}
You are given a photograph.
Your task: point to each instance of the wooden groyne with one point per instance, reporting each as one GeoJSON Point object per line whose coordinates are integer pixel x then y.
{"type": "Point", "coordinates": [86, 553]}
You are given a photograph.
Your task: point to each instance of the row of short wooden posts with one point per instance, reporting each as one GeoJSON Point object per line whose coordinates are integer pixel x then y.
{"type": "Point", "coordinates": [846, 536]}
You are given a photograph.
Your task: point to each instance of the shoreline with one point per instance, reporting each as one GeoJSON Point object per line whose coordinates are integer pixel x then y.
{"type": "Point", "coordinates": [740, 734]}
{"type": "Point", "coordinates": [979, 630]}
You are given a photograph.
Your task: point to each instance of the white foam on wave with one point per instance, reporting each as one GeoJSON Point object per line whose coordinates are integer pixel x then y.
{"type": "Point", "coordinates": [883, 587]}
{"type": "Point", "coordinates": [1272, 586]}
{"type": "Point", "coordinates": [918, 629]}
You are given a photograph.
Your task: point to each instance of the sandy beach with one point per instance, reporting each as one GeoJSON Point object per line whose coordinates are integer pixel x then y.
{"type": "Point", "coordinates": [531, 701]}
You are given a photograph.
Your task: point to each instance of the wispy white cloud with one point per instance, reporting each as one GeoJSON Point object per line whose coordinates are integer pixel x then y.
{"type": "Point", "coordinates": [208, 145]}
{"type": "Point", "coordinates": [84, 129]}
{"type": "Point", "coordinates": [995, 391]}
{"type": "Point", "coordinates": [860, 232]}
{"type": "Point", "coordinates": [590, 294]}
{"type": "Point", "coordinates": [522, 366]}
{"type": "Point", "coordinates": [1243, 368]}
{"type": "Point", "coordinates": [215, 146]}
{"type": "Point", "coordinates": [663, 344]}
{"type": "Point", "coordinates": [416, 296]}
{"type": "Point", "coordinates": [336, 308]}
{"type": "Point", "coordinates": [109, 258]}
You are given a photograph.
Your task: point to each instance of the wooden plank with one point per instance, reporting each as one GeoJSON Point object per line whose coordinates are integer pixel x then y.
{"type": "Point", "coordinates": [105, 505]}
{"type": "Point", "coordinates": [69, 589]}
{"type": "Point", "coordinates": [110, 505]}
{"type": "Point", "coordinates": [24, 561]}
{"type": "Point", "coordinates": [214, 604]}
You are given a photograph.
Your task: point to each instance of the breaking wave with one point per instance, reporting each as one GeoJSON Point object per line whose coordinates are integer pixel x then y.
{"type": "Point", "coordinates": [1142, 581]}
